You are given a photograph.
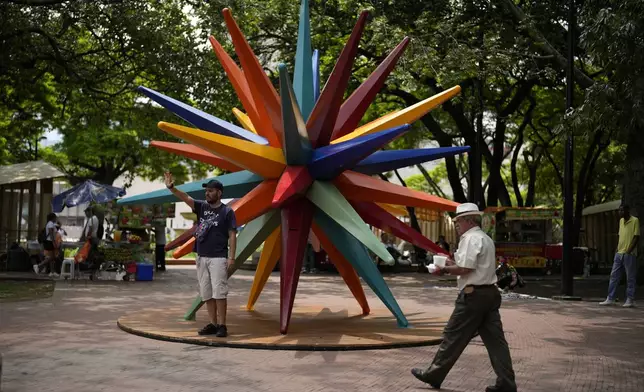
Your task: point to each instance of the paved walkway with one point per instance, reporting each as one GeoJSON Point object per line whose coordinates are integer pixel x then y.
{"type": "Point", "coordinates": [70, 342]}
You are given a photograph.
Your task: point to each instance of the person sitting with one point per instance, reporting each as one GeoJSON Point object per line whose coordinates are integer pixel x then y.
{"type": "Point", "coordinates": [443, 243]}
{"type": "Point", "coordinates": [507, 276]}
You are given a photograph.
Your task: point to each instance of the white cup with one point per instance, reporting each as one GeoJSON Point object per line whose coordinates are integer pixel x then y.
{"type": "Point", "coordinates": [439, 261]}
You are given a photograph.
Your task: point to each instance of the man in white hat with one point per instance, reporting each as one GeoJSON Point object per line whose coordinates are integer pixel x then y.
{"type": "Point", "coordinates": [477, 305]}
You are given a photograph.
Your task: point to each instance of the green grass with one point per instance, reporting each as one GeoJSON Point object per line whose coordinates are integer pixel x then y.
{"type": "Point", "coordinates": [13, 291]}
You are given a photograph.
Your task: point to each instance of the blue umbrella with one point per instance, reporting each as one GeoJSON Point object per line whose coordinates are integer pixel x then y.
{"type": "Point", "coordinates": [88, 191]}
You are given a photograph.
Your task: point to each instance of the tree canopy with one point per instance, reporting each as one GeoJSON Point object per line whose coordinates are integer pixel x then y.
{"type": "Point", "coordinates": [73, 67]}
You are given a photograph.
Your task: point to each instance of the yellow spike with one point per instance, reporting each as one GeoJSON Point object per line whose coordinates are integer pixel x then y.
{"type": "Point", "coordinates": [393, 209]}
{"type": "Point", "coordinates": [404, 116]}
{"type": "Point", "coordinates": [267, 261]}
{"type": "Point", "coordinates": [265, 161]}
{"type": "Point", "coordinates": [244, 120]}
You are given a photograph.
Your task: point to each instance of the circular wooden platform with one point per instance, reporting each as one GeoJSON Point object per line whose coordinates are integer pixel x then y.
{"type": "Point", "coordinates": [312, 328]}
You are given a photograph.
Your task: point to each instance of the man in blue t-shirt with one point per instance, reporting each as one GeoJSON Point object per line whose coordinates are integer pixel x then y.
{"type": "Point", "coordinates": [216, 229]}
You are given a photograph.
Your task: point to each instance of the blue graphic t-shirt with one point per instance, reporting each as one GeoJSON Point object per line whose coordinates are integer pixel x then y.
{"type": "Point", "coordinates": [212, 230]}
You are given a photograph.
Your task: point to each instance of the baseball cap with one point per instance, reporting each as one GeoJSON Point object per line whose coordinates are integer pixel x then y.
{"type": "Point", "coordinates": [213, 184]}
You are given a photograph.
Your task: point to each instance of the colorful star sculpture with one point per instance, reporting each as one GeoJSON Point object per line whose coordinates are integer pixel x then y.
{"type": "Point", "coordinates": [301, 166]}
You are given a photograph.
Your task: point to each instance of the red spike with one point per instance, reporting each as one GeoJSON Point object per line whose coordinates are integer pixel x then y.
{"type": "Point", "coordinates": [376, 216]}
{"type": "Point", "coordinates": [357, 104]}
{"type": "Point", "coordinates": [324, 115]}
{"type": "Point", "coordinates": [359, 187]}
{"type": "Point", "coordinates": [296, 224]}
{"type": "Point", "coordinates": [294, 182]}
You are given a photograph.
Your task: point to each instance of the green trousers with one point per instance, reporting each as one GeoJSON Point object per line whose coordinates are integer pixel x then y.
{"type": "Point", "coordinates": [475, 312]}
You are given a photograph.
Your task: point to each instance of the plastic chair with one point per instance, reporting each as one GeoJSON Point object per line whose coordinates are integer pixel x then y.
{"type": "Point", "coordinates": [67, 270]}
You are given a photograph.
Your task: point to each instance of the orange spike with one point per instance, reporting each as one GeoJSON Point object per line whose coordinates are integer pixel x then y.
{"type": "Point", "coordinates": [196, 153]}
{"type": "Point", "coordinates": [360, 187]}
{"type": "Point", "coordinates": [264, 95]}
{"type": "Point", "coordinates": [254, 203]}
{"type": "Point", "coordinates": [238, 80]}
{"type": "Point", "coordinates": [265, 161]}
{"type": "Point", "coordinates": [344, 268]}
{"type": "Point", "coordinates": [184, 249]}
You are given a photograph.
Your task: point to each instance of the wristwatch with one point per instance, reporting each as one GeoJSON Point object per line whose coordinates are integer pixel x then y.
{"type": "Point", "coordinates": [170, 186]}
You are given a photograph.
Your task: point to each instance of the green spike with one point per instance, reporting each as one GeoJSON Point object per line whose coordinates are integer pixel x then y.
{"type": "Point", "coordinates": [191, 315]}
{"type": "Point", "coordinates": [296, 144]}
{"type": "Point", "coordinates": [252, 236]}
{"type": "Point", "coordinates": [329, 199]}
{"type": "Point", "coordinates": [303, 77]}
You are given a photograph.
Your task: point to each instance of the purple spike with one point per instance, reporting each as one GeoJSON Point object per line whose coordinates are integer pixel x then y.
{"type": "Point", "coordinates": [202, 120]}
{"type": "Point", "coordinates": [384, 161]}
{"type": "Point", "coordinates": [330, 161]}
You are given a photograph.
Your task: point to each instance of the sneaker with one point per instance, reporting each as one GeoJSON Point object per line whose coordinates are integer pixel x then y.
{"type": "Point", "coordinates": [629, 303]}
{"type": "Point", "coordinates": [223, 332]}
{"type": "Point", "coordinates": [210, 329]}
{"type": "Point", "coordinates": [608, 302]}
{"type": "Point", "coordinates": [36, 270]}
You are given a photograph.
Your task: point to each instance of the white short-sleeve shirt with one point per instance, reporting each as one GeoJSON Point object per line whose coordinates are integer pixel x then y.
{"type": "Point", "coordinates": [476, 251]}
{"type": "Point", "coordinates": [48, 228]}
{"type": "Point", "coordinates": [92, 227]}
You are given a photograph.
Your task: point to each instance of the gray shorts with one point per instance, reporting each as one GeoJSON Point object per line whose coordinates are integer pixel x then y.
{"type": "Point", "coordinates": [212, 273]}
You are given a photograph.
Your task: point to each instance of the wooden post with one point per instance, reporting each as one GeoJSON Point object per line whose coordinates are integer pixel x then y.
{"type": "Point", "coordinates": [46, 189]}
{"type": "Point", "coordinates": [20, 205]}
{"type": "Point", "coordinates": [12, 215]}
{"type": "Point", "coordinates": [3, 217]}
{"type": "Point", "coordinates": [32, 221]}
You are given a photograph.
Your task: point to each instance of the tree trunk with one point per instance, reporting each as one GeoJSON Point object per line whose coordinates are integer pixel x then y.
{"type": "Point", "coordinates": [513, 169]}
{"type": "Point", "coordinates": [496, 182]}
{"type": "Point", "coordinates": [532, 181]}
{"type": "Point", "coordinates": [633, 194]}
{"type": "Point", "coordinates": [413, 221]}
{"type": "Point", "coordinates": [432, 184]}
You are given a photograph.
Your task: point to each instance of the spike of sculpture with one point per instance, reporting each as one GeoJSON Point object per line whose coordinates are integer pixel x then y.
{"type": "Point", "coordinates": [303, 161]}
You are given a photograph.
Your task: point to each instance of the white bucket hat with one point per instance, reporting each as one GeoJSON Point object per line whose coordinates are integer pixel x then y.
{"type": "Point", "coordinates": [467, 209]}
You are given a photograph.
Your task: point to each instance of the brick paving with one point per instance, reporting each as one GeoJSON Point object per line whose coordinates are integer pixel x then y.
{"type": "Point", "coordinates": [70, 342]}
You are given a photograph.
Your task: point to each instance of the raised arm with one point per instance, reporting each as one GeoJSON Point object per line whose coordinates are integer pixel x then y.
{"type": "Point", "coordinates": [181, 195]}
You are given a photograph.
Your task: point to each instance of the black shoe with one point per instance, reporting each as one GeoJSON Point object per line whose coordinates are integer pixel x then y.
{"type": "Point", "coordinates": [420, 374]}
{"type": "Point", "coordinates": [494, 388]}
{"type": "Point", "coordinates": [210, 329]}
{"type": "Point", "coordinates": [223, 332]}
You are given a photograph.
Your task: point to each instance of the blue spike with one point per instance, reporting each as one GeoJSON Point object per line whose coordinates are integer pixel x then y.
{"type": "Point", "coordinates": [330, 161]}
{"type": "Point", "coordinates": [316, 75]}
{"type": "Point", "coordinates": [358, 256]}
{"type": "Point", "coordinates": [202, 120]}
{"type": "Point", "coordinates": [235, 185]}
{"type": "Point", "coordinates": [303, 76]}
{"type": "Point", "coordinates": [384, 161]}
{"type": "Point", "coordinates": [297, 147]}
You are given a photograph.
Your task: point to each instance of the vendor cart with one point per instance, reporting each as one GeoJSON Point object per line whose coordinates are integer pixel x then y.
{"type": "Point", "coordinates": [523, 236]}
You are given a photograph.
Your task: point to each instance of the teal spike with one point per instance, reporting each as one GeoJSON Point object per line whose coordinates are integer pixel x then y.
{"type": "Point", "coordinates": [329, 199]}
{"type": "Point", "coordinates": [303, 77]}
{"type": "Point", "coordinates": [254, 233]}
{"type": "Point", "coordinates": [358, 257]}
{"type": "Point", "coordinates": [191, 315]}
{"type": "Point", "coordinates": [297, 147]}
